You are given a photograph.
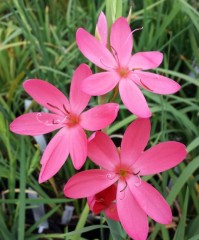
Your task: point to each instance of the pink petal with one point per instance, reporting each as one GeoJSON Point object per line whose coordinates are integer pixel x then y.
{"type": "Point", "coordinates": [47, 95]}
{"type": "Point", "coordinates": [36, 123]}
{"type": "Point", "coordinates": [54, 155]}
{"type": "Point", "coordinates": [79, 99]}
{"type": "Point", "coordinates": [101, 31]}
{"type": "Point", "coordinates": [121, 41]}
{"type": "Point", "coordinates": [102, 151]}
{"type": "Point", "coordinates": [99, 117]}
{"type": "Point", "coordinates": [157, 83]}
{"type": "Point", "coordinates": [151, 201]}
{"type": "Point", "coordinates": [135, 140]}
{"type": "Point", "coordinates": [94, 50]}
{"type": "Point", "coordinates": [160, 158]}
{"type": "Point", "coordinates": [100, 83]}
{"type": "Point", "coordinates": [133, 98]}
{"type": "Point", "coordinates": [132, 217]}
{"type": "Point", "coordinates": [78, 146]}
{"type": "Point", "coordinates": [145, 60]}
{"type": "Point", "coordinates": [111, 212]}
{"type": "Point", "coordinates": [88, 183]}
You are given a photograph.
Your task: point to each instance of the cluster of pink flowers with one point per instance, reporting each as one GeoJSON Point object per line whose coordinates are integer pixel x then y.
{"type": "Point", "coordinates": [116, 187]}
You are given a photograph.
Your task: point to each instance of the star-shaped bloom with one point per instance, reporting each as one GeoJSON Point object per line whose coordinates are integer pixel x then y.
{"type": "Point", "coordinates": [104, 201]}
{"type": "Point", "coordinates": [135, 198]}
{"type": "Point", "coordinates": [68, 116]}
{"type": "Point", "coordinates": [120, 67]}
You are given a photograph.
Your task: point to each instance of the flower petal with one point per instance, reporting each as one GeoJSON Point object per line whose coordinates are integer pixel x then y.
{"type": "Point", "coordinates": [145, 60]}
{"type": "Point", "coordinates": [135, 140]}
{"type": "Point", "coordinates": [36, 123]}
{"type": "Point", "coordinates": [161, 157]}
{"type": "Point", "coordinates": [47, 95]}
{"type": "Point", "coordinates": [102, 151]}
{"type": "Point", "coordinates": [132, 217]}
{"type": "Point", "coordinates": [101, 31]}
{"type": "Point", "coordinates": [79, 99]}
{"type": "Point", "coordinates": [151, 201]}
{"type": "Point", "coordinates": [99, 117]}
{"type": "Point", "coordinates": [88, 183]}
{"type": "Point", "coordinates": [133, 98]}
{"type": "Point", "coordinates": [94, 50]}
{"type": "Point", "coordinates": [121, 41]}
{"type": "Point", "coordinates": [78, 146]}
{"type": "Point", "coordinates": [157, 83]}
{"type": "Point", "coordinates": [54, 155]}
{"type": "Point", "coordinates": [111, 212]}
{"type": "Point", "coordinates": [100, 83]}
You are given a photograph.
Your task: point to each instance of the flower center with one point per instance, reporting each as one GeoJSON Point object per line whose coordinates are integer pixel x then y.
{"type": "Point", "coordinates": [122, 173]}
{"type": "Point", "coordinates": [65, 117]}
{"type": "Point", "coordinates": [123, 72]}
{"type": "Point", "coordinates": [73, 120]}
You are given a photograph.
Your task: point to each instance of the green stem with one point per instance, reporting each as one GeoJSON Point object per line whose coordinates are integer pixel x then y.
{"type": "Point", "coordinates": [22, 197]}
{"type": "Point", "coordinates": [81, 223]}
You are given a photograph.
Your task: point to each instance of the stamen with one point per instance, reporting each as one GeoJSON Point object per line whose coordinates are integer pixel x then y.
{"type": "Point", "coordinates": [58, 121]}
{"type": "Point", "coordinates": [56, 108]}
{"type": "Point", "coordinates": [110, 176]}
{"type": "Point", "coordinates": [47, 123]}
{"type": "Point", "coordinates": [135, 30]}
{"type": "Point", "coordinates": [136, 173]}
{"type": "Point", "coordinates": [137, 184]}
{"type": "Point", "coordinates": [122, 192]}
{"type": "Point", "coordinates": [115, 55]}
{"type": "Point", "coordinates": [124, 187]}
{"type": "Point", "coordinates": [44, 122]}
{"type": "Point", "coordinates": [146, 86]}
{"type": "Point", "coordinates": [64, 107]}
{"type": "Point", "coordinates": [105, 64]}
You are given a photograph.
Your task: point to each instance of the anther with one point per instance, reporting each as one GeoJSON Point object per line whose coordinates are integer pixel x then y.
{"type": "Point", "coordinates": [124, 187]}
{"type": "Point", "coordinates": [115, 55]}
{"type": "Point", "coordinates": [64, 107]}
{"type": "Point", "coordinates": [136, 173]}
{"type": "Point", "coordinates": [55, 107]}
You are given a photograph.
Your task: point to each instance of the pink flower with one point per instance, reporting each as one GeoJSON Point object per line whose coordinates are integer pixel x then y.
{"type": "Point", "coordinates": [104, 201]}
{"type": "Point", "coordinates": [66, 115]}
{"type": "Point", "coordinates": [122, 68]}
{"type": "Point", "coordinates": [135, 198]}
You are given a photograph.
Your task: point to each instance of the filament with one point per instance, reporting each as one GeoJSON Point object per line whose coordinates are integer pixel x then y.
{"type": "Point", "coordinates": [124, 187]}
{"type": "Point", "coordinates": [135, 30]}
{"type": "Point", "coordinates": [47, 122]}
{"type": "Point", "coordinates": [146, 86]}
{"type": "Point", "coordinates": [105, 64]}
{"type": "Point", "coordinates": [115, 55]}
{"type": "Point", "coordinates": [137, 184]}
{"type": "Point", "coordinates": [55, 107]}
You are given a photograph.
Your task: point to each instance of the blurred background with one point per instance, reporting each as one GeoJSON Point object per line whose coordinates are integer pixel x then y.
{"type": "Point", "coordinates": [37, 40]}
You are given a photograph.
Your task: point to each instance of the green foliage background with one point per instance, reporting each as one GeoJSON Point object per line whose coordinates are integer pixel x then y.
{"type": "Point", "coordinates": [37, 40]}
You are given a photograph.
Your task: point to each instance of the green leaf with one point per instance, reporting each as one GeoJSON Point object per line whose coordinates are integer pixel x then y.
{"type": "Point", "coordinates": [180, 231]}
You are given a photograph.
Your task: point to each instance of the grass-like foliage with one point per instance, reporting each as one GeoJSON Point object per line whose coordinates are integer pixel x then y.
{"type": "Point", "coordinates": [37, 40]}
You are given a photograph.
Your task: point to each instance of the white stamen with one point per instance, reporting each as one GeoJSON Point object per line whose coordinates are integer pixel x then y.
{"type": "Point", "coordinates": [137, 184]}
{"type": "Point", "coordinates": [105, 64]}
{"type": "Point", "coordinates": [47, 122]}
{"type": "Point", "coordinates": [111, 176]}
